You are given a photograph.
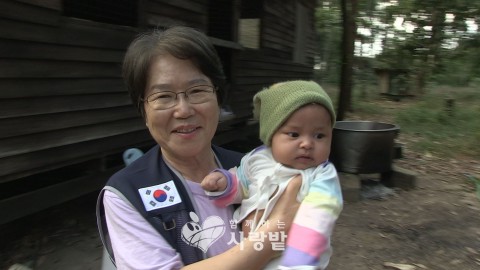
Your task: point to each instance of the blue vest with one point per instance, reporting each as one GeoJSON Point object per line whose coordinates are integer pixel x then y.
{"type": "Point", "coordinates": [150, 170]}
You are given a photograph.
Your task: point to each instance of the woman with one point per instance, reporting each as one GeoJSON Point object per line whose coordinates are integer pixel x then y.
{"type": "Point", "coordinates": [154, 212]}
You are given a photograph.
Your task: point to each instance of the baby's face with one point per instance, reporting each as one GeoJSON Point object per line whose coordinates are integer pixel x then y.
{"type": "Point", "coordinates": [304, 140]}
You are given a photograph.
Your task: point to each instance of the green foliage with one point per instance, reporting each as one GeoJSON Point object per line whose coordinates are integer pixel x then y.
{"type": "Point", "coordinates": [329, 36]}
{"type": "Point", "coordinates": [394, 59]}
{"type": "Point", "coordinates": [427, 52]}
{"type": "Point", "coordinates": [461, 66]}
{"type": "Point", "coordinates": [443, 132]}
{"type": "Point", "coordinates": [364, 93]}
{"type": "Point", "coordinates": [365, 108]}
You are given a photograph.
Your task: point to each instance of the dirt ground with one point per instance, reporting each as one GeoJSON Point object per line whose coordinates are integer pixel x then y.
{"type": "Point", "coordinates": [60, 238]}
{"type": "Point", "coordinates": [434, 226]}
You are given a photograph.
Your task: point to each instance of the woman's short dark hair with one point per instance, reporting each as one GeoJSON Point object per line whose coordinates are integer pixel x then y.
{"type": "Point", "coordinates": [179, 41]}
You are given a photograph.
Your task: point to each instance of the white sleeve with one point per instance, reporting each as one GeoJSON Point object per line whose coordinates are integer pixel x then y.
{"type": "Point", "coordinates": [136, 244]}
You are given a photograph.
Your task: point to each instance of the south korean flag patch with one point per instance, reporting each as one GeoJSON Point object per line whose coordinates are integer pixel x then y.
{"type": "Point", "coordinates": [160, 196]}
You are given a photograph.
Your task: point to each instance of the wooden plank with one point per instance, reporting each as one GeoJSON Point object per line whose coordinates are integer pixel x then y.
{"type": "Point", "coordinates": [279, 8]}
{"type": "Point", "coordinates": [18, 126]}
{"type": "Point", "coordinates": [28, 88]}
{"type": "Point", "coordinates": [177, 9]}
{"type": "Point", "coordinates": [311, 4]}
{"type": "Point", "coordinates": [264, 57]}
{"type": "Point", "coordinates": [284, 26]}
{"type": "Point", "coordinates": [94, 34]}
{"type": "Point", "coordinates": [15, 167]}
{"type": "Point", "coordinates": [267, 63]}
{"type": "Point", "coordinates": [43, 105]}
{"type": "Point", "coordinates": [16, 68]}
{"type": "Point", "coordinates": [265, 80]}
{"type": "Point", "coordinates": [40, 199]}
{"type": "Point", "coordinates": [184, 4]}
{"type": "Point", "coordinates": [36, 50]}
{"type": "Point", "coordinates": [287, 32]}
{"type": "Point", "coordinates": [71, 31]}
{"type": "Point", "coordinates": [29, 13]}
{"type": "Point", "coordinates": [23, 165]}
{"type": "Point", "coordinates": [52, 4]}
{"type": "Point", "coordinates": [160, 21]}
{"type": "Point", "coordinates": [281, 18]}
{"type": "Point", "coordinates": [262, 83]}
{"type": "Point", "coordinates": [35, 142]}
{"type": "Point", "coordinates": [272, 62]}
{"type": "Point", "coordinates": [285, 37]}
{"type": "Point", "coordinates": [226, 43]}
{"type": "Point", "coordinates": [266, 73]}
{"type": "Point", "coordinates": [293, 67]}
{"type": "Point", "coordinates": [274, 44]}
{"type": "Point", "coordinates": [162, 10]}
{"type": "Point", "coordinates": [26, 31]}
{"type": "Point", "coordinates": [245, 88]}
{"type": "Point", "coordinates": [272, 66]}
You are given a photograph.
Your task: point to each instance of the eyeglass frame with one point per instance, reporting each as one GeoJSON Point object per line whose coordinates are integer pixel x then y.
{"type": "Point", "coordinates": [214, 89]}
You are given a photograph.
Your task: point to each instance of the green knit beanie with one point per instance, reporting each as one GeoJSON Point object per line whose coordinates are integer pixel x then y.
{"type": "Point", "coordinates": [273, 105]}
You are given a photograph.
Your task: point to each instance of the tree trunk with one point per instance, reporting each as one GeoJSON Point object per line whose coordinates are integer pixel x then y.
{"type": "Point", "coordinates": [349, 11]}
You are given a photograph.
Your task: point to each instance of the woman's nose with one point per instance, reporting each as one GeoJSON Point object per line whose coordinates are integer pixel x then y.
{"type": "Point", "coordinates": [183, 108]}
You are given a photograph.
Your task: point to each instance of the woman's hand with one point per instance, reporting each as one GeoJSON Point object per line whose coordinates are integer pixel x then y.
{"type": "Point", "coordinates": [246, 256]}
{"type": "Point", "coordinates": [283, 212]}
{"type": "Point", "coordinates": [286, 207]}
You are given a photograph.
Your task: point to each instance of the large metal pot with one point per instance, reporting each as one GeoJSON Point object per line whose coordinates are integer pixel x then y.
{"type": "Point", "coordinates": [362, 147]}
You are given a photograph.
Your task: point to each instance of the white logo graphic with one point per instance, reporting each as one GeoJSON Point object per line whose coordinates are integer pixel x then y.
{"type": "Point", "coordinates": [205, 235]}
{"type": "Point", "coordinates": [160, 196]}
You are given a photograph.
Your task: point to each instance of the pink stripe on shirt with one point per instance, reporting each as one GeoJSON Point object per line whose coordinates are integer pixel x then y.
{"type": "Point", "coordinates": [310, 242]}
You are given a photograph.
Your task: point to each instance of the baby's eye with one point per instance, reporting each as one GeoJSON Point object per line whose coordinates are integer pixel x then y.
{"type": "Point", "coordinates": [319, 135]}
{"type": "Point", "coordinates": [292, 134]}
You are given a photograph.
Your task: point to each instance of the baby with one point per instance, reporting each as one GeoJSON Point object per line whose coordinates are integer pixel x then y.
{"type": "Point", "coordinates": [296, 120]}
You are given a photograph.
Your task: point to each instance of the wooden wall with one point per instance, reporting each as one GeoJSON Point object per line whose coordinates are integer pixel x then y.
{"type": "Point", "coordinates": [273, 62]}
{"type": "Point", "coordinates": [63, 106]}
{"type": "Point", "coordinates": [162, 13]}
{"type": "Point", "coordinates": [65, 116]}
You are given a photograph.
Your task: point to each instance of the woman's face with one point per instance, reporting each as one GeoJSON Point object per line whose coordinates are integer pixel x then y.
{"type": "Point", "coordinates": [185, 130]}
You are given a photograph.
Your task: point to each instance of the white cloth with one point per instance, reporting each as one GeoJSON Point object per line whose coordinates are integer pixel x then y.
{"type": "Point", "coordinates": [265, 181]}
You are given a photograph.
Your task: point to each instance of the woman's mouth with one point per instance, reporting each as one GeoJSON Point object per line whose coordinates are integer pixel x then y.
{"type": "Point", "coordinates": [185, 130]}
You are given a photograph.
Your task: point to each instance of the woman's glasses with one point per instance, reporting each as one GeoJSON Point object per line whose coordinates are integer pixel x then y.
{"type": "Point", "coordinates": [167, 99]}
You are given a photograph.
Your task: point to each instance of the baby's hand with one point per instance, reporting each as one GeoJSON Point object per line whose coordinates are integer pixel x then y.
{"type": "Point", "coordinates": [214, 181]}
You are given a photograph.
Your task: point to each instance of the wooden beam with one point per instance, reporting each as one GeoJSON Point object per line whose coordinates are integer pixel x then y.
{"type": "Point", "coordinates": [27, 164]}
{"type": "Point", "coordinates": [29, 88]}
{"type": "Point", "coordinates": [18, 49]}
{"type": "Point", "coordinates": [55, 104]}
{"type": "Point", "coordinates": [46, 140]}
{"type": "Point", "coordinates": [40, 199]}
{"type": "Point", "coordinates": [18, 126]}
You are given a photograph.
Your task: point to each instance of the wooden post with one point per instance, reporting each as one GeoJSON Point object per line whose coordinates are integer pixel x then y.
{"type": "Point", "coordinates": [449, 106]}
